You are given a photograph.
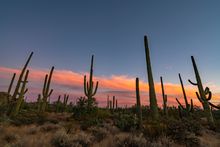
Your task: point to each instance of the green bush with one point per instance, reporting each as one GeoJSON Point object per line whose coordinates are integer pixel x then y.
{"type": "Point", "coordinates": [126, 122]}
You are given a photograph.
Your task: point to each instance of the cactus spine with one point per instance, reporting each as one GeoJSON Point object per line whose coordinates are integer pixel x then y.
{"type": "Point", "coordinates": [46, 90]}
{"type": "Point", "coordinates": [202, 94]}
{"type": "Point", "coordinates": [189, 107]}
{"type": "Point", "coordinates": [88, 86]}
{"type": "Point", "coordinates": [138, 102]}
{"type": "Point", "coordinates": [152, 94]}
{"type": "Point", "coordinates": [164, 97]}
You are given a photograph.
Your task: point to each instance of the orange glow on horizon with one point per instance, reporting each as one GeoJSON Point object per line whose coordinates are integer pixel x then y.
{"type": "Point", "coordinates": [123, 87]}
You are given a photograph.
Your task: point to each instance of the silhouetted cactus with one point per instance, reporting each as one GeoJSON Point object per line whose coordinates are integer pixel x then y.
{"type": "Point", "coordinates": [152, 94]}
{"type": "Point", "coordinates": [39, 103]}
{"type": "Point", "coordinates": [9, 88]}
{"type": "Point", "coordinates": [164, 97]}
{"type": "Point", "coordinates": [88, 86]}
{"type": "Point", "coordinates": [113, 101]}
{"type": "Point", "coordinates": [58, 103]}
{"type": "Point", "coordinates": [202, 94]}
{"type": "Point", "coordinates": [21, 96]}
{"type": "Point", "coordinates": [116, 104]}
{"type": "Point", "coordinates": [189, 107]}
{"type": "Point", "coordinates": [138, 104]}
{"type": "Point", "coordinates": [46, 92]}
{"type": "Point", "coordinates": [65, 101]}
{"type": "Point", "coordinates": [108, 102]}
{"type": "Point", "coordinates": [20, 90]}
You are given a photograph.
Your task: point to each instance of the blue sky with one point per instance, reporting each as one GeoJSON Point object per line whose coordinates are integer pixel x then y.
{"type": "Point", "coordinates": [66, 33]}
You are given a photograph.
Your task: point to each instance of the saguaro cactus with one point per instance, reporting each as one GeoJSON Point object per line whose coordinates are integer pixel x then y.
{"type": "Point", "coordinates": [164, 97]}
{"type": "Point", "coordinates": [20, 90]}
{"type": "Point", "coordinates": [202, 94]}
{"type": "Point", "coordinates": [65, 101]}
{"type": "Point", "coordinates": [46, 92]}
{"type": "Point", "coordinates": [116, 104]}
{"type": "Point", "coordinates": [20, 99]}
{"type": "Point", "coordinates": [138, 104]}
{"type": "Point", "coordinates": [152, 94]}
{"type": "Point", "coordinates": [58, 104]}
{"type": "Point", "coordinates": [108, 102]}
{"type": "Point", "coordinates": [9, 88]}
{"type": "Point", "coordinates": [88, 86]}
{"type": "Point", "coordinates": [113, 100]}
{"type": "Point", "coordinates": [189, 107]}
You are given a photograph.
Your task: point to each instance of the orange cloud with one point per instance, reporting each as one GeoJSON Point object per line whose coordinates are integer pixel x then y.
{"type": "Point", "coordinates": [123, 87]}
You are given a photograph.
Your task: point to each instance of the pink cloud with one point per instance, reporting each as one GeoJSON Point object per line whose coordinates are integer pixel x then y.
{"type": "Point", "coordinates": [123, 87]}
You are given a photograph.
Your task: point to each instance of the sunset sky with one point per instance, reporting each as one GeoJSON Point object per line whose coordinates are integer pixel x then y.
{"type": "Point", "coordinates": [65, 34]}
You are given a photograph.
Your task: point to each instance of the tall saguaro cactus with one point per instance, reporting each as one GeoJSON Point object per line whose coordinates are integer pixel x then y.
{"type": "Point", "coordinates": [20, 89]}
{"type": "Point", "coordinates": [202, 94]}
{"type": "Point", "coordinates": [89, 86]}
{"type": "Point", "coordinates": [138, 102]}
{"type": "Point", "coordinates": [46, 92]}
{"type": "Point", "coordinates": [152, 94]}
{"type": "Point", "coordinates": [164, 97]}
{"type": "Point", "coordinates": [189, 107]}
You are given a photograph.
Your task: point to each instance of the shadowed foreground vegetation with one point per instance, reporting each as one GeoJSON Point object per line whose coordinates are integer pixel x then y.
{"type": "Point", "coordinates": [64, 124]}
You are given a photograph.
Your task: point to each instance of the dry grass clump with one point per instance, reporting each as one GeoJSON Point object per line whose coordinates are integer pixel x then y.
{"type": "Point", "coordinates": [99, 133]}
{"type": "Point", "coordinates": [127, 140]}
{"type": "Point", "coordinates": [49, 128]}
{"type": "Point", "coordinates": [61, 139]}
{"type": "Point", "coordinates": [82, 139]}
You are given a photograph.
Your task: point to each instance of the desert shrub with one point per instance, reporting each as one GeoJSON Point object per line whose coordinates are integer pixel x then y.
{"type": "Point", "coordinates": [81, 111]}
{"type": "Point", "coordinates": [61, 139]}
{"type": "Point", "coordinates": [98, 133]}
{"type": "Point", "coordinates": [89, 122]}
{"type": "Point", "coordinates": [153, 130]}
{"type": "Point", "coordinates": [179, 130]}
{"type": "Point", "coordinates": [126, 122]}
{"type": "Point", "coordinates": [123, 140]}
{"type": "Point", "coordinates": [82, 139]}
{"type": "Point", "coordinates": [68, 127]}
{"type": "Point", "coordinates": [30, 117]}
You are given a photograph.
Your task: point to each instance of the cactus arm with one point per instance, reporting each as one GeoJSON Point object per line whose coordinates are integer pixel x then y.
{"type": "Point", "coordinates": [26, 90]}
{"type": "Point", "coordinates": [21, 76]}
{"type": "Point", "coordinates": [209, 96]}
{"type": "Point", "coordinates": [191, 106]}
{"type": "Point", "coordinates": [45, 85]}
{"type": "Point", "coordinates": [195, 84]}
{"type": "Point", "coordinates": [51, 91]}
{"type": "Point", "coordinates": [85, 90]}
{"type": "Point", "coordinates": [217, 107]}
{"type": "Point", "coordinates": [96, 87]}
{"type": "Point", "coordinates": [49, 79]}
{"type": "Point", "coordinates": [10, 87]}
{"type": "Point", "coordinates": [180, 104]}
{"type": "Point", "coordinates": [199, 98]}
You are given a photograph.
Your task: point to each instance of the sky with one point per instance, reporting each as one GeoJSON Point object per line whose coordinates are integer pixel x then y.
{"type": "Point", "coordinates": [66, 33]}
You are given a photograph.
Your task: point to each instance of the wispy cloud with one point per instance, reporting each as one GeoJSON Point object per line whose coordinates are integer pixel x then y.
{"type": "Point", "coordinates": [122, 86]}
